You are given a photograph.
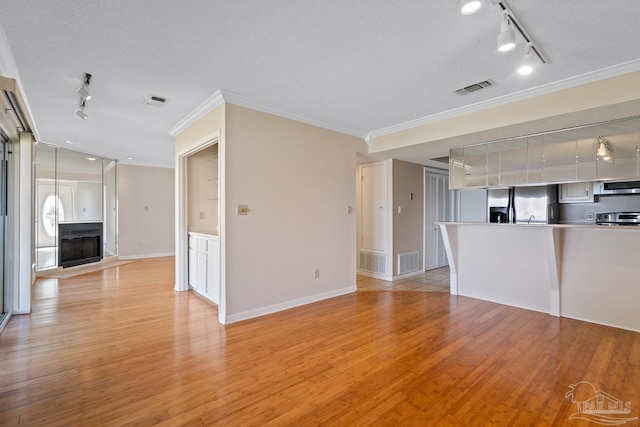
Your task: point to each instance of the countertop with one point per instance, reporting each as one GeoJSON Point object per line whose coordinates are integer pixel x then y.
{"type": "Point", "coordinates": [204, 233]}
{"type": "Point", "coordinates": [593, 227]}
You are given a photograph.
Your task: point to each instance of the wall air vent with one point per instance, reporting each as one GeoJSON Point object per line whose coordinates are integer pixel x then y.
{"type": "Point", "coordinates": [373, 263]}
{"type": "Point", "coordinates": [156, 101]}
{"type": "Point", "coordinates": [408, 262]}
{"type": "Point", "coordinates": [474, 87]}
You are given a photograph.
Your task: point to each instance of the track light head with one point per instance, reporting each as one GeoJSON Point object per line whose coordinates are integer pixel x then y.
{"type": "Point", "coordinates": [526, 67]}
{"type": "Point", "coordinates": [80, 113]}
{"type": "Point", "coordinates": [605, 152]}
{"type": "Point", "coordinates": [507, 36]}
{"type": "Point", "coordinates": [468, 7]}
{"type": "Point", "coordinates": [84, 93]}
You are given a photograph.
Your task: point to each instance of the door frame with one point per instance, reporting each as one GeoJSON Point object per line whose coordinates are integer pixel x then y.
{"type": "Point", "coordinates": [181, 232]}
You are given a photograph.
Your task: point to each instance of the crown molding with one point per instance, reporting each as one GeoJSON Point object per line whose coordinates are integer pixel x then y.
{"type": "Point", "coordinates": [590, 77]}
{"type": "Point", "coordinates": [221, 96]}
{"type": "Point", "coordinates": [209, 104]}
{"type": "Point", "coordinates": [243, 101]}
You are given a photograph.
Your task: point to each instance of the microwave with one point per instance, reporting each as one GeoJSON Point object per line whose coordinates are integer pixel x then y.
{"type": "Point", "coordinates": [621, 187]}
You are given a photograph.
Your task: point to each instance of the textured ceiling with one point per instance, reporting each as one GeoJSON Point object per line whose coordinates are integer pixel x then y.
{"type": "Point", "coordinates": [358, 65]}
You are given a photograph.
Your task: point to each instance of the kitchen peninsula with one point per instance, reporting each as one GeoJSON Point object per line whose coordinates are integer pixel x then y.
{"type": "Point", "coordinates": [584, 272]}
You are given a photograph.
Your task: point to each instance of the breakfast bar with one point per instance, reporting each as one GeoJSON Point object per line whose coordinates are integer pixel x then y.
{"type": "Point", "coordinates": [584, 272]}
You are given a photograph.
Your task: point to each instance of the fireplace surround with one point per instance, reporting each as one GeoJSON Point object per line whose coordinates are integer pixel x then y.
{"type": "Point", "coordinates": [79, 243]}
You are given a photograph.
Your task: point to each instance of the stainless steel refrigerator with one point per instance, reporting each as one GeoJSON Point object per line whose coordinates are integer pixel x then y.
{"type": "Point", "coordinates": [524, 205]}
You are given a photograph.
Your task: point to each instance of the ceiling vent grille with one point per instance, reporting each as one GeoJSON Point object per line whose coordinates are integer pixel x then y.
{"type": "Point", "coordinates": [474, 87]}
{"type": "Point", "coordinates": [156, 101]}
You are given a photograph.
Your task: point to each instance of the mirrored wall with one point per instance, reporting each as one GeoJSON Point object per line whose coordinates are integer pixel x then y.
{"type": "Point", "coordinates": [72, 187]}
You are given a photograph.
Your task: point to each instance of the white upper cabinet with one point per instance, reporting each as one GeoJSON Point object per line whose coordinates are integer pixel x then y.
{"type": "Point", "coordinates": [570, 155]}
{"type": "Point", "coordinates": [559, 156]}
{"type": "Point", "coordinates": [475, 164]}
{"type": "Point", "coordinates": [576, 192]}
{"type": "Point", "coordinates": [513, 162]}
{"type": "Point", "coordinates": [622, 137]}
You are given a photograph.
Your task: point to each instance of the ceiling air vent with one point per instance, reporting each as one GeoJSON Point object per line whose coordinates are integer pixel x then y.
{"type": "Point", "coordinates": [474, 87]}
{"type": "Point", "coordinates": [156, 101]}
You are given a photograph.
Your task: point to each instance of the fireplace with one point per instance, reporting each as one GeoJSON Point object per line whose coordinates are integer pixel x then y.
{"type": "Point", "coordinates": [79, 243]}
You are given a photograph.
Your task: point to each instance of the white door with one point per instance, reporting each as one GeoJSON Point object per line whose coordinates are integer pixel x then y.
{"type": "Point", "coordinates": [438, 208]}
{"type": "Point", "coordinates": [373, 209]}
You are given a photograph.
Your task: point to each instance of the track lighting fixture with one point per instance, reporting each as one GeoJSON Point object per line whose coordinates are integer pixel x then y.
{"type": "Point", "coordinates": [526, 67]}
{"type": "Point", "coordinates": [80, 113]}
{"type": "Point", "coordinates": [83, 91]}
{"type": "Point", "coordinates": [604, 152]}
{"type": "Point", "coordinates": [507, 36]}
{"type": "Point", "coordinates": [468, 7]}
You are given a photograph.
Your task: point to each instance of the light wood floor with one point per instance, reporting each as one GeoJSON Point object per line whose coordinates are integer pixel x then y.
{"type": "Point", "coordinates": [120, 347]}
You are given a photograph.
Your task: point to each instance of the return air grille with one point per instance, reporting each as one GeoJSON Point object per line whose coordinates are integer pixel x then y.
{"type": "Point", "coordinates": [474, 87]}
{"type": "Point", "coordinates": [156, 101]}
{"type": "Point", "coordinates": [408, 262]}
{"type": "Point", "coordinates": [373, 263]}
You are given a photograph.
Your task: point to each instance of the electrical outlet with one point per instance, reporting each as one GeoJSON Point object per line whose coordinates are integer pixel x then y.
{"type": "Point", "coordinates": [316, 273]}
{"type": "Point", "coordinates": [589, 216]}
{"type": "Point", "coordinates": [141, 242]}
{"type": "Point", "coordinates": [201, 214]}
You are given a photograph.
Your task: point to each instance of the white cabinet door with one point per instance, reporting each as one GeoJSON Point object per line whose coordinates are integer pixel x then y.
{"type": "Point", "coordinates": [213, 270]}
{"type": "Point", "coordinates": [201, 272]}
{"type": "Point", "coordinates": [193, 266]}
{"type": "Point", "coordinates": [576, 192]}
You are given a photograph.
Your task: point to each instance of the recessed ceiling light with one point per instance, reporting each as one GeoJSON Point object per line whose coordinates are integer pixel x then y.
{"type": "Point", "coordinates": [72, 143]}
{"type": "Point", "coordinates": [91, 159]}
{"type": "Point", "coordinates": [129, 158]}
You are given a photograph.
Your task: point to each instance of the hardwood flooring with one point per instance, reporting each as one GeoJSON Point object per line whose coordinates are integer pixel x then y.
{"type": "Point", "coordinates": [120, 347]}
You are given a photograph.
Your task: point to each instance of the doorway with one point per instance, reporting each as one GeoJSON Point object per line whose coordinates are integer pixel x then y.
{"type": "Point", "coordinates": [438, 207]}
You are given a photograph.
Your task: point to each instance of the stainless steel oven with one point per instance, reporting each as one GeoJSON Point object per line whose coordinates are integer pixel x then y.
{"type": "Point", "coordinates": [625, 187]}
{"type": "Point", "coordinates": [618, 218]}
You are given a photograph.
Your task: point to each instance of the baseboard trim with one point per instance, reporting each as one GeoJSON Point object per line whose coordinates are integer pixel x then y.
{"type": "Point", "coordinates": [274, 308]}
{"type": "Point", "coordinates": [126, 257]}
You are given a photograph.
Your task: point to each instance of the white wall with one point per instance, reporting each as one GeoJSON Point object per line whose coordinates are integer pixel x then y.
{"type": "Point", "coordinates": [146, 212]}
{"type": "Point", "coordinates": [297, 181]}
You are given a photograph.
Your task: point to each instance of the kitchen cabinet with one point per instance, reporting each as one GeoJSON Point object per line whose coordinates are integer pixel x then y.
{"type": "Point", "coordinates": [204, 265]}
{"type": "Point", "coordinates": [567, 155]}
{"type": "Point", "coordinates": [559, 156]}
{"type": "Point", "coordinates": [576, 192]}
{"type": "Point", "coordinates": [456, 168]}
{"type": "Point", "coordinates": [513, 162]}
{"type": "Point", "coordinates": [475, 166]}
{"type": "Point", "coordinates": [623, 139]}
